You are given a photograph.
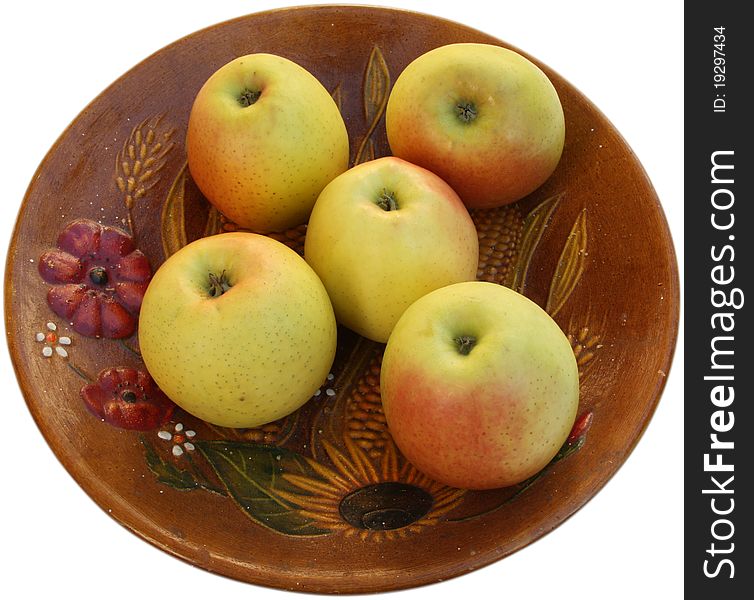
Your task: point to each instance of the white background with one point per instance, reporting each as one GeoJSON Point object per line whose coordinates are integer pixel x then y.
{"type": "Point", "coordinates": [627, 58]}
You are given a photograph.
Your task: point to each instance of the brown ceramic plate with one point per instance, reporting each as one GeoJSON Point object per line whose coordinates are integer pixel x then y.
{"type": "Point", "coordinates": [321, 494]}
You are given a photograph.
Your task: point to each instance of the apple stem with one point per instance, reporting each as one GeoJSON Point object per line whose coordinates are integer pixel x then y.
{"type": "Point", "coordinates": [465, 343]}
{"type": "Point", "coordinates": [249, 97]}
{"type": "Point", "coordinates": [466, 111]}
{"type": "Point", "coordinates": [387, 201]}
{"type": "Point", "coordinates": [218, 285]}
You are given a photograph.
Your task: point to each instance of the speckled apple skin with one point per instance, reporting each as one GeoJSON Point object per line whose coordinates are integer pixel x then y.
{"type": "Point", "coordinates": [488, 419]}
{"type": "Point", "coordinates": [375, 263]}
{"type": "Point", "coordinates": [263, 165]}
{"type": "Point", "coordinates": [250, 356]}
{"type": "Point", "coordinates": [510, 148]}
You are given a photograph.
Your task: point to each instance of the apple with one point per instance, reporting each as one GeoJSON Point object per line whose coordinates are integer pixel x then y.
{"type": "Point", "coordinates": [264, 137]}
{"type": "Point", "coordinates": [479, 386]}
{"type": "Point", "coordinates": [484, 118]}
{"type": "Point", "coordinates": [237, 329]}
{"type": "Point", "coordinates": [382, 235]}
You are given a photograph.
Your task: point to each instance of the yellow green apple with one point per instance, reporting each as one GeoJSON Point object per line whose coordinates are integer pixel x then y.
{"type": "Point", "coordinates": [237, 329]}
{"type": "Point", "coordinates": [479, 386]}
{"type": "Point", "coordinates": [264, 137]}
{"type": "Point", "coordinates": [484, 118]}
{"type": "Point", "coordinates": [383, 234]}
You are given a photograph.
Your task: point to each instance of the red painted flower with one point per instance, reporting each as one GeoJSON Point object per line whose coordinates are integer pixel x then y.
{"type": "Point", "coordinates": [99, 279]}
{"type": "Point", "coordinates": [127, 398]}
{"type": "Point", "coordinates": [580, 427]}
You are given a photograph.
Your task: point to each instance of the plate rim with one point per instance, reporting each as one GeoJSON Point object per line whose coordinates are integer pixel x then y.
{"type": "Point", "coordinates": [78, 470]}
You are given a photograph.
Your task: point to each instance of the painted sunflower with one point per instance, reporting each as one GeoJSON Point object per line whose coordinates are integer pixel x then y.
{"type": "Point", "coordinates": [382, 501]}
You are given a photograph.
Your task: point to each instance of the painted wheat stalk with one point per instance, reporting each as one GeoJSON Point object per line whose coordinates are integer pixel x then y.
{"type": "Point", "coordinates": [138, 163]}
{"type": "Point", "coordinates": [585, 344]}
{"type": "Point", "coordinates": [586, 337]}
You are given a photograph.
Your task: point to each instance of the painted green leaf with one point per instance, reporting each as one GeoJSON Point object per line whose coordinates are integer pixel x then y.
{"type": "Point", "coordinates": [253, 477]}
{"type": "Point", "coordinates": [166, 472]}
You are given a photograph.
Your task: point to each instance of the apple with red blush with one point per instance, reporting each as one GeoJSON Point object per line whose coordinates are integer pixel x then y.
{"type": "Point", "coordinates": [484, 118]}
{"type": "Point", "coordinates": [479, 386]}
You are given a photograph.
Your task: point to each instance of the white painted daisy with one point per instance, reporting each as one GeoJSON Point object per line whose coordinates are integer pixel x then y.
{"type": "Point", "coordinates": [180, 438]}
{"type": "Point", "coordinates": [53, 343]}
{"type": "Point", "coordinates": [328, 390]}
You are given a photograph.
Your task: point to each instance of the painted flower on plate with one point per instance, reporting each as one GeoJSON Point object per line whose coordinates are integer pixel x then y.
{"type": "Point", "coordinates": [180, 437]}
{"type": "Point", "coordinates": [378, 502]}
{"type": "Point", "coordinates": [52, 342]}
{"type": "Point", "coordinates": [98, 279]}
{"type": "Point", "coordinates": [127, 398]}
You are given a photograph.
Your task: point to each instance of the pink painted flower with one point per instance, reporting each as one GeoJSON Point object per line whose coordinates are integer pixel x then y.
{"type": "Point", "coordinates": [127, 398]}
{"type": "Point", "coordinates": [99, 278]}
